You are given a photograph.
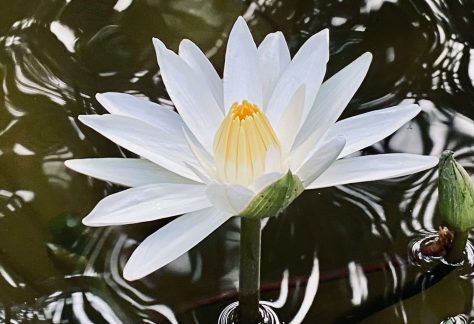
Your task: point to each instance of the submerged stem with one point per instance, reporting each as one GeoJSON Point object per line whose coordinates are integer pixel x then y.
{"type": "Point", "coordinates": [249, 277]}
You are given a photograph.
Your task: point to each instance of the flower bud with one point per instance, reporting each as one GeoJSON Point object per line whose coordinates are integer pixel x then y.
{"type": "Point", "coordinates": [456, 194]}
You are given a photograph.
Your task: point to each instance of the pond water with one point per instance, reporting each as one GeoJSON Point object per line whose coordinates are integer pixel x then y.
{"type": "Point", "coordinates": [337, 255]}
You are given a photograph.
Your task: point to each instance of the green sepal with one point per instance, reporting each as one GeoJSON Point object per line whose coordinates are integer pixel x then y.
{"type": "Point", "coordinates": [456, 194]}
{"type": "Point", "coordinates": [274, 198]}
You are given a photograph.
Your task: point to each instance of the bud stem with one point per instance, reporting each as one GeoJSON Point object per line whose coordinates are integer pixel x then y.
{"type": "Point", "coordinates": [249, 277]}
{"type": "Point", "coordinates": [458, 246]}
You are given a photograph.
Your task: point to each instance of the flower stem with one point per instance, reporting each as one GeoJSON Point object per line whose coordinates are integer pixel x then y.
{"type": "Point", "coordinates": [458, 246]}
{"type": "Point", "coordinates": [249, 277]}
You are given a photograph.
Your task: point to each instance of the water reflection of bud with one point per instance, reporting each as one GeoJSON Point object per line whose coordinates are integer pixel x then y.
{"type": "Point", "coordinates": [438, 246]}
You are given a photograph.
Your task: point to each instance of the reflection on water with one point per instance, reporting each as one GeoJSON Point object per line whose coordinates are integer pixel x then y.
{"type": "Point", "coordinates": [229, 315]}
{"type": "Point", "coordinates": [332, 251]}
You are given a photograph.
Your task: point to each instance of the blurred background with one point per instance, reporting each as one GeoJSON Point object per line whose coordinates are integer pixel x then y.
{"type": "Point", "coordinates": [332, 253]}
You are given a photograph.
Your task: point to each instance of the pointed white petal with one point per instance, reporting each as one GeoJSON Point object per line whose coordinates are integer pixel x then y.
{"type": "Point", "coordinates": [173, 240]}
{"type": "Point", "coordinates": [199, 62]}
{"type": "Point", "coordinates": [373, 167]}
{"type": "Point", "coordinates": [168, 151]}
{"type": "Point", "coordinates": [241, 74]}
{"type": "Point", "coordinates": [190, 94]}
{"type": "Point", "coordinates": [230, 198]}
{"type": "Point", "coordinates": [366, 129]}
{"type": "Point", "coordinates": [147, 203]}
{"type": "Point", "coordinates": [290, 122]}
{"type": "Point", "coordinates": [273, 58]}
{"type": "Point", "coordinates": [200, 174]}
{"type": "Point", "coordinates": [205, 159]}
{"type": "Point", "coordinates": [331, 100]}
{"type": "Point", "coordinates": [320, 160]}
{"type": "Point", "coordinates": [126, 172]}
{"type": "Point", "coordinates": [307, 68]}
{"type": "Point", "coordinates": [265, 180]}
{"type": "Point", "coordinates": [273, 160]}
{"type": "Point", "coordinates": [146, 111]}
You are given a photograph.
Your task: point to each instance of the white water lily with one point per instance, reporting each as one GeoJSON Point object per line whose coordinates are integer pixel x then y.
{"type": "Point", "coordinates": [269, 118]}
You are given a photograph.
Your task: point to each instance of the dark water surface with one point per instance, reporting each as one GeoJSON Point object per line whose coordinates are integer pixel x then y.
{"type": "Point", "coordinates": [353, 240]}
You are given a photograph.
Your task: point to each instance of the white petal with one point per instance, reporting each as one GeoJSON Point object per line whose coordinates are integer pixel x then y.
{"type": "Point", "coordinates": [199, 62]}
{"type": "Point", "coordinates": [206, 161]}
{"type": "Point", "coordinates": [290, 122]}
{"type": "Point", "coordinates": [145, 140]}
{"type": "Point", "coordinates": [230, 198]}
{"type": "Point", "coordinates": [307, 68]}
{"type": "Point", "coordinates": [265, 180]}
{"type": "Point", "coordinates": [373, 167]}
{"type": "Point", "coordinates": [273, 58]}
{"type": "Point", "coordinates": [126, 172]}
{"type": "Point", "coordinates": [331, 100]}
{"type": "Point", "coordinates": [273, 160]}
{"type": "Point", "coordinates": [147, 203]}
{"type": "Point", "coordinates": [204, 177]}
{"type": "Point", "coordinates": [320, 160]}
{"type": "Point", "coordinates": [366, 129]}
{"type": "Point", "coordinates": [173, 240]}
{"type": "Point", "coordinates": [241, 74]}
{"type": "Point", "coordinates": [190, 94]}
{"type": "Point", "coordinates": [146, 111]}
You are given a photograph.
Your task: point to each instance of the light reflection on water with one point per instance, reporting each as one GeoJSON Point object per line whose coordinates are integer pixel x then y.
{"type": "Point", "coordinates": [56, 55]}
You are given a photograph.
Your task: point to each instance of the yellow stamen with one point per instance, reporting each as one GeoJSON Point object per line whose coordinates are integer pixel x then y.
{"type": "Point", "coordinates": [244, 110]}
{"type": "Point", "coordinates": [241, 144]}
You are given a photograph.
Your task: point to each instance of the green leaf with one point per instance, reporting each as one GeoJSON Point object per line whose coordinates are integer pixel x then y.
{"type": "Point", "coordinates": [274, 198]}
{"type": "Point", "coordinates": [456, 194]}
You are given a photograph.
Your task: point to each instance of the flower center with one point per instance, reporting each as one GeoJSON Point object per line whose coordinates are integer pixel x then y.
{"type": "Point", "coordinates": [241, 144]}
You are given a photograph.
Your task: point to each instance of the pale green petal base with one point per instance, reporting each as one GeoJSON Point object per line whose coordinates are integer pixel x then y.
{"type": "Point", "coordinates": [275, 198]}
